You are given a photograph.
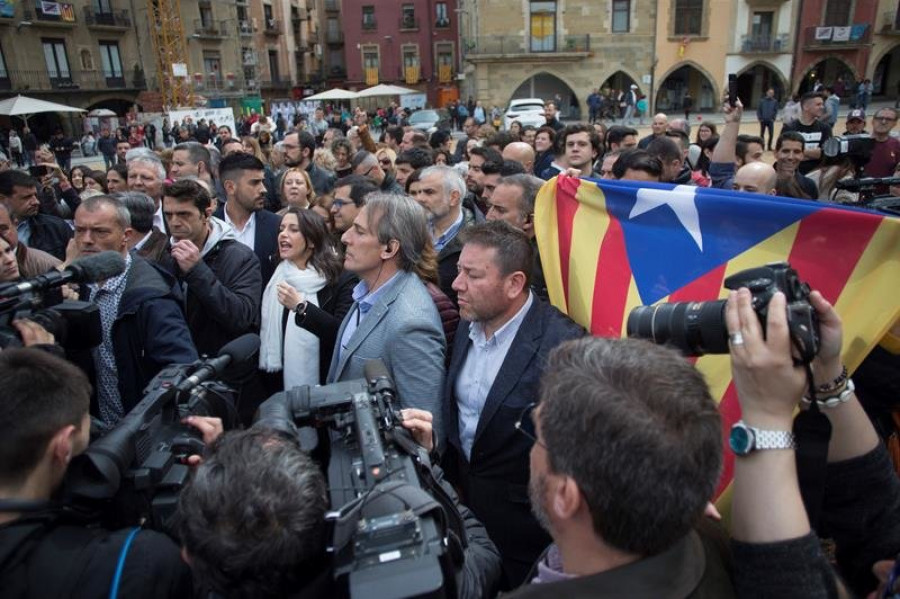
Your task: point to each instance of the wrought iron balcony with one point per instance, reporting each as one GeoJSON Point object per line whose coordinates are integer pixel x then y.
{"type": "Point", "coordinates": [273, 27]}
{"type": "Point", "coordinates": [524, 44]}
{"type": "Point", "coordinates": [752, 44]}
{"type": "Point", "coordinates": [890, 22]}
{"type": "Point", "coordinates": [334, 37]}
{"type": "Point", "coordinates": [369, 23]}
{"type": "Point", "coordinates": [210, 29]}
{"type": "Point", "coordinates": [36, 80]}
{"type": "Point", "coordinates": [409, 23]}
{"type": "Point", "coordinates": [118, 19]}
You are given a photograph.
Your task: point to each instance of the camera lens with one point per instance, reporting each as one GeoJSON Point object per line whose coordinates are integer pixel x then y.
{"type": "Point", "coordinates": [695, 328]}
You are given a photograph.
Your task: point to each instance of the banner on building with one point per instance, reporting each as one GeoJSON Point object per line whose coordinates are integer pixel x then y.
{"type": "Point", "coordinates": [371, 76]}
{"type": "Point", "coordinates": [51, 8]}
{"type": "Point", "coordinates": [841, 34]}
{"type": "Point", "coordinates": [7, 8]}
{"type": "Point", "coordinates": [412, 74]}
{"type": "Point", "coordinates": [823, 34]}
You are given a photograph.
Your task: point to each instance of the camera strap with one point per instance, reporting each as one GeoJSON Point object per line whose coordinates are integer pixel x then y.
{"type": "Point", "coordinates": [812, 429]}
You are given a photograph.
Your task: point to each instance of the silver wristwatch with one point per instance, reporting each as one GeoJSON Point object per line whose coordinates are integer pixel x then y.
{"type": "Point", "coordinates": [744, 439]}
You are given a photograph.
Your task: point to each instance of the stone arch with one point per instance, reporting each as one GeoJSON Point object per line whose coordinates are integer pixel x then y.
{"type": "Point", "coordinates": [831, 66]}
{"type": "Point", "coordinates": [687, 75]}
{"type": "Point", "coordinates": [755, 78]}
{"type": "Point", "coordinates": [621, 79]}
{"type": "Point", "coordinates": [546, 85]}
{"type": "Point", "coordinates": [886, 72]}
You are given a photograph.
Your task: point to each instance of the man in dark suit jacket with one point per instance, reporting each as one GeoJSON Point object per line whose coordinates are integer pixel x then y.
{"type": "Point", "coordinates": [243, 178]}
{"type": "Point", "coordinates": [499, 353]}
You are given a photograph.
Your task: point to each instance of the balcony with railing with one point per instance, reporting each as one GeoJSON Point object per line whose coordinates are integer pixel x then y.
{"type": "Point", "coordinates": [210, 29]}
{"type": "Point", "coordinates": [550, 48]}
{"type": "Point", "coordinates": [61, 18]}
{"type": "Point", "coordinates": [332, 6]}
{"type": "Point", "coordinates": [765, 44]}
{"type": "Point", "coordinates": [890, 22]}
{"type": "Point", "coordinates": [333, 36]}
{"type": "Point", "coordinates": [35, 80]}
{"type": "Point", "coordinates": [409, 23]}
{"type": "Point", "coordinates": [273, 27]}
{"type": "Point", "coordinates": [275, 83]}
{"type": "Point", "coordinates": [442, 24]}
{"type": "Point", "coordinates": [245, 28]}
{"type": "Point", "coordinates": [215, 84]}
{"type": "Point", "coordinates": [107, 20]}
{"type": "Point", "coordinates": [836, 38]}
{"type": "Point", "coordinates": [369, 24]}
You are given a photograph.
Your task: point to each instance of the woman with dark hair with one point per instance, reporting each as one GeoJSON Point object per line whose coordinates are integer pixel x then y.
{"type": "Point", "coordinates": [306, 277]}
{"type": "Point", "coordinates": [95, 180]}
{"type": "Point", "coordinates": [443, 157]}
{"type": "Point", "coordinates": [117, 178]}
{"type": "Point", "coordinates": [705, 131]}
{"type": "Point", "coordinates": [76, 177]}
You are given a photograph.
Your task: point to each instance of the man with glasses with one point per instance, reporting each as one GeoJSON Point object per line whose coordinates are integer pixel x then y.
{"type": "Point", "coordinates": [498, 358]}
{"type": "Point", "coordinates": [626, 453]}
{"type": "Point", "coordinates": [366, 164]}
{"type": "Point", "coordinates": [886, 153]}
{"type": "Point", "coordinates": [349, 197]}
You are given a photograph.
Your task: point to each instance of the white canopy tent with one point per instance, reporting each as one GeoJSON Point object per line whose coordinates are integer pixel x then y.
{"type": "Point", "coordinates": [23, 107]}
{"type": "Point", "coordinates": [383, 89]}
{"type": "Point", "coordinates": [334, 94]}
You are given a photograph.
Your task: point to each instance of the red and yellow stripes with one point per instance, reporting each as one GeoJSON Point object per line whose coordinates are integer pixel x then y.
{"type": "Point", "coordinates": [850, 256]}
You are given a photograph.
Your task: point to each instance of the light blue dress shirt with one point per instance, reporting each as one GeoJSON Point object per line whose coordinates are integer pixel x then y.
{"type": "Point", "coordinates": [364, 302]}
{"type": "Point", "coordinates": [477, 375]}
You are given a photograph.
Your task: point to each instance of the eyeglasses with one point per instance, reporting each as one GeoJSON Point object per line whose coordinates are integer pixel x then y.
{"type": "Point", "coordinates": [885, 119]}
{"type": "Point", "coordinates": [525, 420]}
{"type": "Point", "coordinates": [385, 162]}
{"type": "Point", "coordinates": [338, 203]}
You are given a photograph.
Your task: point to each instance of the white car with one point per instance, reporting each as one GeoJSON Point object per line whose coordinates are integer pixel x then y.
{"type": "Point", "coordinates": [528, 111]}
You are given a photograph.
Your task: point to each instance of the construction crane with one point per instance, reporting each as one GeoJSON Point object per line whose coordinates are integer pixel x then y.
{"type": "Point", "coordinates": [170, 48]}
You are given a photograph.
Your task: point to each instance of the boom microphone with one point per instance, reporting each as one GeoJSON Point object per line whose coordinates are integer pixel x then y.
{"type": "Point", "coordinates": [89, 269]}
{"type": "Point", "coordinates": [239, 350]}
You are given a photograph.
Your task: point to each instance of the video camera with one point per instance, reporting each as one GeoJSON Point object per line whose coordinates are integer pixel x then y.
{"type": "Point", "coordinates": [698, 328]}
{"type": "Point", "coordinates": [135, 471]}
{"type": "Point", "coordinates": [74, 324]}
{"type": "Point", "coordinates": [868, 189]}
{"type": "Point", "coordinates": [393, 530]}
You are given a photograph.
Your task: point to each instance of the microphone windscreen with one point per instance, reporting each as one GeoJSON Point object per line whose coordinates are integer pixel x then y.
{"type": "Point", "coordinates": [242, 348]}
{"type": "Point", "coordinates": [97, 267]}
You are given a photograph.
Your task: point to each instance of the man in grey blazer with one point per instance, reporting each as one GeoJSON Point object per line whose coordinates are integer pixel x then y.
{"type": "Point", "coordinates": [393, 316]}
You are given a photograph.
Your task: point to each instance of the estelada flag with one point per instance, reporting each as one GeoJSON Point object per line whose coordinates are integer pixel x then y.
{"type": "Point", "coordinates": [609, 246]}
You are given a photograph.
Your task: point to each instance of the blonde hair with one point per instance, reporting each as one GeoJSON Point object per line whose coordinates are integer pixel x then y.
{"type": "Point", "coordinates": [310, 192]}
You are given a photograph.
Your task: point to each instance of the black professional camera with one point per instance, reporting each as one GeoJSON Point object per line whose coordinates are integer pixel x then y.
{"type": "Point", "coordinates": [393, 531]}
{"type": "Point", "coordinates": [859, 146]}
{"type": "Point", "coordinates": [698, 328]}
{"type": "Point", "coordinates": [74, 325]}
{"type": "Point", "coordinates": [134, 472]}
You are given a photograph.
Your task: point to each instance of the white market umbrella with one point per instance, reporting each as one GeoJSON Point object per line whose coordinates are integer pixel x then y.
{"type": "Point", "coordinates": [383, 89]}
{"type": "Point", "coordinates": [102, 112]}
{"type": "Point", "coordinates": [23, 106]}
{"type": "Point", "coordinates": [334, 94]}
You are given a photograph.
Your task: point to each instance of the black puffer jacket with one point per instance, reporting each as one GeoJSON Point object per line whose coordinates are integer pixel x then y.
{"type": "Point", "coordinates": [46, 554]}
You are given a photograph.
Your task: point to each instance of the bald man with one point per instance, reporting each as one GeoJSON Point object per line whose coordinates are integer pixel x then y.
{"type": "Point", "coordinates": [680, 125]}
{"type": "Point", "coordinates": [659, 125]}
{"type": "Point", "coordinates": [756, 177]}
{"type": "Point", "coordinates": [521, 152]}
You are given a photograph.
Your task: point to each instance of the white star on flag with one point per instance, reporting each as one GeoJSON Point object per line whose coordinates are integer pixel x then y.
{"type": "Point", "coordinates": [680, 200]}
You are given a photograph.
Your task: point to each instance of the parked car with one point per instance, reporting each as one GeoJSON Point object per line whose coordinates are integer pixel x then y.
{"type": "Point", "coordinates": [528, 111]}
{"type": "Point", "coordinates": [429, 120]}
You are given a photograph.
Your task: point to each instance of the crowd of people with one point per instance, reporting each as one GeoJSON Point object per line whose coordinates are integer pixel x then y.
{"type": "Point", "coordinates": [578, 466]}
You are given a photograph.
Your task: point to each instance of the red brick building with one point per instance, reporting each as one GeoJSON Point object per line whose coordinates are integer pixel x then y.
{"type": "Point", "coordinates": [409, 43]}
{"type": "Point", "coordinates": [834, 40]}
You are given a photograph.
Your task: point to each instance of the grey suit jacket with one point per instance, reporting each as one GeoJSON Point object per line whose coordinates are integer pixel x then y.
{"type": "Point", "coordinates": [403, 329]}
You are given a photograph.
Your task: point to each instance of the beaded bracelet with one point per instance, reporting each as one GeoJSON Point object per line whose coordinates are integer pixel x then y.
{"type": "Point", "coordinates": [833, 401]}
{"type": "Point", "coordinates": [836, 384]}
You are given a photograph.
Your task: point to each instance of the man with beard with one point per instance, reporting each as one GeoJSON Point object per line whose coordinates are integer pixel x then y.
{"type": "Point", "coordinates": [242, 178]}
{"type": "Point", "coordinates": [478, 157]}
{"type": "Point", "coordinates": [626, 449]}
{"type": "Point", "coordinates": [500, 351]}
{"type": "Point", "coordinates": [299, 148]}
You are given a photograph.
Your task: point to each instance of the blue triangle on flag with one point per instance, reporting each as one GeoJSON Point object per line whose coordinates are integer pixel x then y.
{"type": "Point", "coordinates": [663, 254]}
